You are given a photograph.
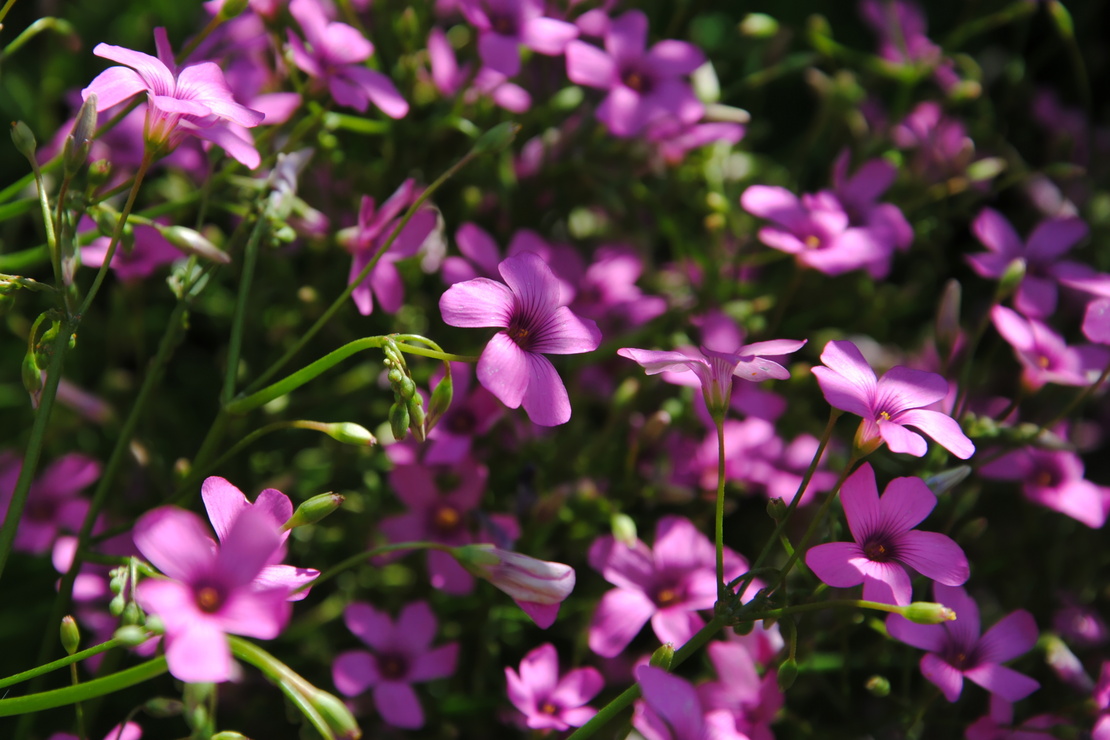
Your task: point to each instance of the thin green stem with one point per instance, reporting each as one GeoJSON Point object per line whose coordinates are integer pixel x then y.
{"type": "Point", "coordinates": [292, 684]}
{"type": "Point", "coordinates": [60, 663]}
{"type": "Point", "coordinates": [4, 11]}
{"type": "Point", "coordinates": [359, 558]}
{"type": "Point", "coordinates": [88, 690]}
{"type": "Point", "coordinates": [719, 517]}
{"type": "Point", "coordinates": [238, 322]}
{"type": "Point", "coordinates": [76, 681]}
{"type": "Point", "coordinates": [48, 223]}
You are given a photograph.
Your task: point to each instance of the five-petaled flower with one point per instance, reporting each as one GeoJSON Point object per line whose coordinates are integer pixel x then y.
{"type": "Point", "coordinates": [547, 701]}
{"type": "Point", "coordinates": [889, 403]}
{"type": "Point", "coordinates": [529, 308]}
{"type": "Point", "coordinates": [885, 541]}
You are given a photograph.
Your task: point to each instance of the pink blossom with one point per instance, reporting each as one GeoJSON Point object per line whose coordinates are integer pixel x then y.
{"type": "Point", "coordinates": [535, 322]}
{"type": "Point", "coordinates": [53, 503]}
{"type": "Point", "coordinates": [886, 542]}
{"type": "Point", "coordinates": [955, 650]}
{"type": "Point", "coordinates": [194, 100]}
{"type": "Point", "coordinates": [126, 731]}
{"type": "Point", "coordinates": [890, 404]}
{"type": "Point", "coordinates": [1054, 479]}
{"type": "Point", "coordinates": [858, 195]}
{"type": "Point", "coordinates": [671, 710]}
{"type": "Point", "coordinates": [506, 25]}
{"type": "Point", "coordinates": [1044, 355]}
{"type": "Point", "coordinates": [537, 586]}
{"type": "Point", "coordinates": [547, 701]}
{"type": "Point", "coordinates": [149, 251]}
{"type": "Point", "coordinates": [999, 724]}
{"type": "Point", "coordinates": [943, 148]}
{"type": "Point", "coordinates": [752, 701]}
{"type": "Point", "coordinates": [400, 655]}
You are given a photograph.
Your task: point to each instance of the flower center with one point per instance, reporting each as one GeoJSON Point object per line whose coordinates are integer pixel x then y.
{"type": "Point", "coordinates": [812, 241]}
{"type": "Point", "coordinates": [1044, 478]}
{"type": "Point", "coordinates": [392, 666]}
{"type": "Point", "coordinates": [1043, 361]}
{"type": "Point", "coordinates": [549, 708]}
{"type": "Point", "coordinates": [208, 599]}
{"type": "Point", "coordinates": [666, 597]}
{"type": "Point", "coordinates": [636, 80]}
{"type": "Point", "coordinates": [446, 519]}
{"type": "Point", "coordinates": [462, 422]}
{"type": "Point", "coordinates": [878, 552]}
{"type": "Point", "coordinates": [883, 416]}
{"type": "Point", "coordinates": [502, 24]}
{"type": "Point", "coordinates": [521, 331]}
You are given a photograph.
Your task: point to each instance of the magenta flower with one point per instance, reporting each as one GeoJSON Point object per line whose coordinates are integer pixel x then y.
{"type": "Point", "coordinates": [512, 366]}
{"type": "Point", "coordinates": [212, 590]}
{"type": "Point", "coordinates": [716, 369]}
{"type": "Point", "coordinates": [752, 701]}
{"type": "Point", "coordinates": [890, 403]}
{"type": "Point", "coordinates": [127, 731]}
{"type": "Point", "coordinates": [1054, 479]}
{"type": "Point", "coordinates": [942, 146]}
{"type": "Point", "coordinates": [644, 85]}
{"type": "Point", "coordinates": [999, 724]}
{"type": "Point", "coordinates": [195, 100]}
{"type": "Point", "coordinates": [472, 414]}
{"type": "Point", "coordinates": [667, 585]}
{"type": "Point", "coordinates": [608, 290]}
{"type": "Point", "coordinates": [956, 651]}
{"type": "Point", "coordinates": [547, 701]}
{"type": "Point", "coordinates": [537, 586]}
{"type": "Point", "coordinates": [1044, 267]}
{"type": "Point", "coordinates": [1044, 355]}
{"type": "Point", "coordinates": [506, 25]}
{"type": "Point", "coordinates": [53, 503]}
{"type": "Point", "coordinates": [149, 251]}
{"type": "Point", "coordinates": [671, 710]}
{"type": "Point", "coordinates": [900, 26]}
{"type": "Point", "coordinates": [1096, 321]}
{"type": "Point", "coordinates": [364, 240]}
{"type": "Point", "coordinates": [858, 195]}
{"type": "Point", "coordinates": [402, 654]}
{"type": "Point", "coordinates": [886, 542]}
{"type": "Point", "coordinates": [335, 57]}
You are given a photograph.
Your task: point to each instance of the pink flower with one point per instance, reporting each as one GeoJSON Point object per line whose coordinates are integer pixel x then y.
{"type": "Point", "coordinates": [956, 650]}
{"type": "Point", "coordinates": [335, 57]}
{"type": "Point", "coordinates": [127, 731]}
{"type": "Point", "coordinates": [53, 503]}
{"type": "Point", "coordinates": [886, 541]}
{"type": "Point", "coordinates": [1044, 355]}
{"type": "Point", "coordinates": [547, 701]}
{"type": "Point", "coordinates": [512, 366]}
{"type": "Point", "coordinates": [212, 590]}
{"type": "Point", "coordinates": [537, 586]}
{"type": "Point", "coordinates": [671, 710]}
{"type": "Point", "coordinates": [149, 251]}
{"type": "Point", "coordinates": [890, 403]}
{"type": "Point", "coordinates": [195, 100]}
{"type": "Point", "coordinates": [1055, 479]}
{"type": "Point", "coordinates": [644, 85]}
{"type": "Point", "coordinates": [402, 654]}
{"type": "Point", "coordinates": [506, 25]}
{"type": "Point", "coordinates": [752, 701]}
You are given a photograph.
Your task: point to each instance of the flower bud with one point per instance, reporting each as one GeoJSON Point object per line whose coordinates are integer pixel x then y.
{"type": "Point", "coordinates": [1011, 278]}
{"type": "Point", "coordinates": [927, 612]}
{"type": "Point", "coordinates": [32, 377]}
{"type": "Point", "coordinates": [440, 401]}
{"type": "Point", "coordinates": [399, 420]}
{"type": "Point", "coordinates": [776, 509]}
{"type": "Point", "coordinates": [71, 636]}
{"type": "Point", "coordinates": [743, 628]}
{"type": "Point", "coordinates": [336, 714]}
{"type": "Point", "coordinates": [404, 386]}
{"type": "Point", "coordinates": [537, 586]}
{"type": "Point", "coordinates": [193, 242]}
{"type": "Point", "coordinates": [497, 138]}
{"type": "Point", "coordinates": [24, 140]}
{"type": "Point", "coordinates": [231, 9]}
{"type": "Point", "coordinates": [131, 635]}
{"type": "Point", "coordinates": [99, 172]}
{"type": "Point", "coordinates": [313, 510]}
{"type": "Point", "coordinates": [229, 735]}
{"type": "Point", "coordinates": [624, 529]}
{"type": "Point", "coordinates": [788, 673]}
{"type": "Point", "coordinates": [416, 417]}
{"type": "Point", "coordinates": [759, 26]}
{"type": "Point", "coordinates": [350, 433]}
{"type": "Point", "coordinates": [878, 686]}
{"type": "Point", "coordinates": [947, 329]}
{"type": "Point", "coordinates": [663, 656]}
{"type": "Point", "coordinates": [132, 614]}
{"type": "Point", "coordinates": [76, 149]}
{"type": "Point", "coordinates": [163, 706]}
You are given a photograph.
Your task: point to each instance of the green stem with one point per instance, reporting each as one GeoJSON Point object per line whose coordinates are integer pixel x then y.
{"type": "Point", "coordinates": [61, 663]}
{"type": "Point", "coordinates": [359, 558]}
{"type": "Point", "coordinates": [719, 518]}
{"type": "Point", "coordinates": [822, 605]}
{"type": "Point", "coordinates": [88, 690]}
{"type": "Point", "coordinates": [4, 11]}
{"type": "Point", "coordinates": [250, 260]}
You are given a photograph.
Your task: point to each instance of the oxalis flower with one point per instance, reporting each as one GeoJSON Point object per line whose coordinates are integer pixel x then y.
{"type": "Point", "coordinates": [885, 541]}
{"type": "Point", "coordinates": [528, 307]}
{"type": "Point", "coordinates": [889, 403]}
{"type": "Point", "coordinates": [194, 100]}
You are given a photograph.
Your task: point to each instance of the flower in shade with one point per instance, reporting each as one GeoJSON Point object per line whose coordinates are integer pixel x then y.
{"type": "Point", "coordinates": [900, 26]}
{"type": "Point", "coordinates": [335, 56]}
{"type": "Point", "coordinates": [668, 585]}
{"type": "Point", "coordinates": [886, 541]}
{"type": "Point", "coordinates": [373, 229]}
{"type": "Point", "coordinates": [889, 404]}
{"type": "Point", "coordinates": [1042, 254]}
{"type": "Point", "coordinates": [956, 650]}
{"type": "Point", "coordinates": [211, 590]}
{"type": "Point", "coordinates": [1054, 478]}
{"type": "Point", "coordinates": [752, 701]}
{"type": "Point", "coordinates": [53, 503]}
{"type": "Point", "coordinates": [644, 85]}
{"type": "Point", "coordinates": [1101, 730]}
{"type": "Point", "coordinates": [858, 194]}
{"type": "Point", "coordinates": [999, 724]}
{"type": "Point", "coordinates": [402, 654]}
{"type": "Point", "coordinates": [671, 710]}
{"type": "Point", "coordinates": [535, 321]}
{"type": "Point", "coordinates": [149, 251]}
{"type": "Point", "coordinates": [716, 369]}
{"type": "Point", "coordinates": [537, 586]}
{"type": "Point", "coordinates": [126, 731]}
{"type": "Point", "coordinates": [547, 701]}
{"type": "Point", "coordinates": [1044, 355]}
{"type": "Point", "coordinates": [943, 148]}
{"type": "Point", "coordinates": [1096, 321]}
{"type": "Point", "coordinates": [194, 100]}
{"type": "Point", "coordinates": [506, 25]}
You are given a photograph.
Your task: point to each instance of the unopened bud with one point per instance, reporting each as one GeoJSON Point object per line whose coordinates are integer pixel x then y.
{"type": "Point", "coordinates": [946, 480]}
{"type": "Point", "coordinates": [350, 433]}
{"type": "Point", "coordinates": [788, 674]}
{"type": "Point", "coordinates": [1011, 278]}
{"type": "Point", "coordinates": [537, 586]}
{"type": "Point", "coordinates": [663, 656]}
{"type": "Point", "coordinates": [399, 420]}
{"type": "Point", "coordinates": [776, 509]}
{"type": "Point", "coordinates": [440, 401]}
{"type": "Point", "coordinates": [71, 636]}
{"type": "Point", "coordinates": [986, 168]}
{"type": "Point", "coordinates": [163, 706]}
{"type": "Point", "coordinates": [232, 8]}
{"type": "Point", "coordinates": [76, 149]}
{"type": "Point", "coordinates": [404, 385]}
{"type": "Point", "coordinates": [624, 529]}
{"type": "Point", "coordinates": [416, 418]}
{"type": "Point", "coordinates": [132, 614]}
{"type": "Point", "coordinates": [948, 318]}
{"type": "Point", "coordinates": [313, 510]}
{"type": "Point", "coordinates": [928, 612]}
{"type": "Point", "coordinates": [193, 242]}
{"type": "Point", "coordinates": [23, 139]}
{"type": "Point", "coordinates": [336, 714]}
{"type": "Point", "coordinates": [878, 686]}
{"type": "Point", "coordinates": [32, 376]}
{"type": "Point", "coordinates": [497, 138]}
{"type": "Point", "coordinates": [131, 635]}
{"type": "Point", "coordinates": [759, 26]}
{"type": "Point", "coordinates": [229, 735]}
{"type": "Point", "coordinates": [98, 174]}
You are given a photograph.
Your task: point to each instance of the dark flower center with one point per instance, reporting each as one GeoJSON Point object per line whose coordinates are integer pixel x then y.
{"type": "Point", "coordinates": [209, 599]}
{"type": "Point", "coordinates": [666, 596]}
{"type": "Point", "coordinates": [447, 481]}
{"type": "Point", "coordinates": [503, 24]}
{"type": "Point", "coordinates": [878, 551]}
{"type": "Point", "coordinates": [393, 666]}
{"type": "Point", "coordinates": [520, 331]}
{"type": "Point", "coordinates": [446, 520]}
{"type": "Point", "coordinates": [549, 708]}
{"type": "Point", "coordinates": [636, 80]}
{"type": "Point", "coordinates": [40, 511]}
{"type": "Point", "coordinates": [462, 422]}
{"type": "Point", "coordinates": [812, 241]}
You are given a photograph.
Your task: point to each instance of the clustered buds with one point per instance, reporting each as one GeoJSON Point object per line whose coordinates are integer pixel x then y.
{"type": "Point", "coordinates": [407, 412]}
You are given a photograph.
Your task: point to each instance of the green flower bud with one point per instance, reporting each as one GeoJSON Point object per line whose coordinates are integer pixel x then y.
{"type": "Point", "coordinates": [76, 149]}
{"type": "Point", "coordinates": [776, 509]}
{"type": "Point", "coordinates": [788, 674]}
{"type": "Point", "coordinates": [193, 242]}
{"type": "Point", "coordinates": [313, 510]}
{"type": "Point", "coordinates": [624, 529]}
{"type": "Point", "coordinates": [927, 612]}
{"type": "Point", "coordinates": [1011, 278]}
{"type": "Point", "coordinates": [399, 420]}
{"type": "Point", "coordinates": [132, 614]}
{"type": "Point", "coordinates": [336, 714]}
{"type": "Point", "coordinates": [231, 9]}
{"type": "Point", "coordinates": [71, 636]}
{"type": "Point", "coordinates": [115, 606]}
{"type": "Point", "coordinates": [24, 140]}
{"type": "Point", "coordinates": [163, 706]}
{"type": "Point", "coordinates": [497, 138]}
{"type": "Point", "coordinates": [759, 26]}
{"type": "Point", "coordinates": [229, 735]}
{"type": "Point", "coordinates": [392, 354]}
{"type": "Point", "coordinates": [99, 172]}
{"type": "Point", "coordinates": [350, 433]}
{"type": "Point", "coordinates": [416, 418]}
{"type": "Point", "coordinates": [878, 686]}
{"type": "Point", "coordinates": [663, 656]}
{"type": "Point", "coordinates": [743, 628]}
{"type": "Point", "coordinates": [404, 387]}
{"type": "Point", "coordinates": [32, 377]}
{"type": "Point", "coordinates": [395, 376]}
{"type": "Point", "coordinates": [131, 635]}
{"type": "Point", "coordinates": [440, 401]}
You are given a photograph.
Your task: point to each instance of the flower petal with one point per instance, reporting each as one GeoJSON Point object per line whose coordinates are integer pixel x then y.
{"type": "Point", "coordinates": [590, 66]}
{"type": "Point", "coordinates": [847, 381]}
{"type": "Point", "coordinates": [996, 234]}
{"type": "Point", "coordinates": [860, 498]}
{"type": "Point", "coordinates": [113, 86]}
{"type": "Point", "coordinates": [504, 369]}
{"type": "Point", "coordinates": [545, 397]}
{"type": "Point", "coordinates": [373, 627]}
{"type": "Point", "coordinates": [199, 654]}
{"type": "Point", "coordinates": [157, 77]}
{"type": "Point", "coordinates": [1013, 635]}
{"type": "Point", "coordinates": [477, 303]}
{"type": "Point", "coordinates": [175, 541]}
{"type": "Point", "coordinates": [619, 617]}
{"type": "Point", "coordinates": [836, 563]}
{"type": "Point", "coordinates": [439, 662]}
{"type": "Point", "coordinates": [1003, 681]}
{"type": "Point", "coordinates": [566, 333]}
{"type": "Point", "coordinates": [904, 504]}
{"type": "Point", "coordinates": [946, 678]}
{"type": "Point", "coordinates": [354, 671]}
{"type": "Point", "coordinates": [943, 429]}
{"type": "Point", "coordinates": [934, 555]}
